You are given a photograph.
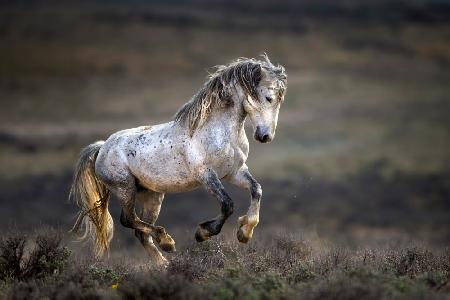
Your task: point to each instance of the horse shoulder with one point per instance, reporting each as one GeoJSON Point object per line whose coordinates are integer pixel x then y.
{"type": "Point", "coordinates": [243, 143]}
{"type": "Point", "coordinates": [195, 156]}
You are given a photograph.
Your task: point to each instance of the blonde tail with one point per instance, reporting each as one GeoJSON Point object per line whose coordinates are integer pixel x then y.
{"type": "Point", "coordinates": [92, 196]}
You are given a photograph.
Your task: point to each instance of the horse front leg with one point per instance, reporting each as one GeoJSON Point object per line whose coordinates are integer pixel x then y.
{"type": "Point", "coordinates": [212, 183]}
{"type": "Point", "coordinates": [248, 222]}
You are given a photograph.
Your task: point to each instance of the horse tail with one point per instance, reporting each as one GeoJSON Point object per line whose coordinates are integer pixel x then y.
{"type": "Point", "coordinates": [92, 197]}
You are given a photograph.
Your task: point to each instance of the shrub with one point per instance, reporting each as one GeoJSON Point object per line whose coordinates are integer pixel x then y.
{"type": "Point", "coordinates": [237, 283]}
{"type": "Point", "coordinates": [197, 260]}
{"type": "Point", "coordinates": [104, 275]}
{"type": "Point", "coordinates": [282, 268]}
{"type": "Point", "coordinates": [59, 288]}
{"type": "Point", "coordinates": [47, 257]}
{"type": "Point", "coordinates": [11, 256]}
{"type": "Point", "coordinates": [159, 286]}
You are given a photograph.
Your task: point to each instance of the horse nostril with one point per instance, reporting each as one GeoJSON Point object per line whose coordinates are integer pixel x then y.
{"type": "Point", "coordinates": [261, 136]}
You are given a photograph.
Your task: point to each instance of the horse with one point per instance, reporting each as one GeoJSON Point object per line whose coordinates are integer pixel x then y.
{"type": "Point", "coordinates": [204, 144]}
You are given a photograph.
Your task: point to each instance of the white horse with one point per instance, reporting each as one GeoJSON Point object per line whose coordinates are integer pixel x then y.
{"type": "Point", "coordinates": [204, 145]}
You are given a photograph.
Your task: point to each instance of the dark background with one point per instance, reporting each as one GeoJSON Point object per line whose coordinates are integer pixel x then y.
{"type": "Point", "coordinates": [362, 153]}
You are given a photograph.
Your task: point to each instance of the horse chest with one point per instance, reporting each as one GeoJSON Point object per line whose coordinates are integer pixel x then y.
{"type": "Point", "coordinates": [226, 158]}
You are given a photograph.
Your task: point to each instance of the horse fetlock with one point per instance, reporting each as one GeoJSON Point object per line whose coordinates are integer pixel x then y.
{"type": "Point", "coordinates": [243, 220]}
{"type": "Point", "coordinates": [252, 222]}
{"type": "Point", "coordinates": [246, 220]}
{"type": "Point", "coordinates": [159, 230]}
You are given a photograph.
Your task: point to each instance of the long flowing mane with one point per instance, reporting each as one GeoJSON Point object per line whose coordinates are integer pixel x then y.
{"type": "Point", "coordinates": [216, 90]}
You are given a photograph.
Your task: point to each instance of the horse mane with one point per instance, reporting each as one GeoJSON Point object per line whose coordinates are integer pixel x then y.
{"type": "Point", "coordinates": [216, 90]}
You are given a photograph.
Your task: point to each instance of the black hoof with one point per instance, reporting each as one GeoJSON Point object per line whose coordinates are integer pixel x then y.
{"type": "Point", "coordinates": [207, 229]}
{"type": "Point", "coordinates": [168, 248]}
{"type": "Point", "coordinates": [201, 234]}
{"type": "Point", "coordinates": [241, 237]}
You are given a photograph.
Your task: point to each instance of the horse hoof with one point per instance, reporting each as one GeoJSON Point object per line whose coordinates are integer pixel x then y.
{"type": "Point", "coordinates": [241, 236]}
{"type": "Point", "coordinates": [167, 244]}
{"type": "Point", "coordinates": [207, 229]}
{"type": "Point", "coordinates": [201, 234]}
{"type": "Point", "coordinates": [167, 247]}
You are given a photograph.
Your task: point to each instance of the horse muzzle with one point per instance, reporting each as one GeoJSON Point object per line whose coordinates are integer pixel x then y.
{"type": "Point", "coordinates": [263, 135]}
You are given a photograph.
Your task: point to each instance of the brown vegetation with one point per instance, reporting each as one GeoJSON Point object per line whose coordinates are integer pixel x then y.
{"type": "Point", "coordinates": [280, 268]}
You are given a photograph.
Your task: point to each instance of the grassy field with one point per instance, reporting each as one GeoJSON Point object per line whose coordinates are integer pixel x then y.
{"type": "Point", "coordinates": [282, 267]}
{"type": "Point", "coordinates": [356, 183]}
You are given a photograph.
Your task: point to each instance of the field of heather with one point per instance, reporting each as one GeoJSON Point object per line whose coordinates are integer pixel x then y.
{"type": "Point", "coordinates": [356, 184]}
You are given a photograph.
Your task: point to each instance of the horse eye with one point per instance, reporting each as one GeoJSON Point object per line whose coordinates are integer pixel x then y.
{"type": "Point", "coordinates": [269, 99]}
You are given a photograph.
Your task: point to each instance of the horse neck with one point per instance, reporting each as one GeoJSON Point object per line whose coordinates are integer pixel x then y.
{"type": "Point", "coordinates": [236, 110]}
{"type": "Point", "coordinates": [232, 116]}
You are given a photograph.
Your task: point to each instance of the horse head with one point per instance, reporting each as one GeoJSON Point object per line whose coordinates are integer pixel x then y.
{"type": "Point", "coordinates": [263, 106]}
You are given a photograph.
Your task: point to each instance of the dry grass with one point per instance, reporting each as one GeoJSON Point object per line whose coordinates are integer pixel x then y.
{"type": "Point", "coordinates": [281, 267]}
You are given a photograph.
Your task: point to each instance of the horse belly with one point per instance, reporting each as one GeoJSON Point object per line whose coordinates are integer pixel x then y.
{"type": "Point", "coordinates": [164, 172]}
{"type": "Point", "coordinates": [171, 182]}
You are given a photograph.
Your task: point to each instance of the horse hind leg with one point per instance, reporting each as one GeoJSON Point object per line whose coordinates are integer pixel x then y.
{"type": "Point", "coordinates": [125, 189]}
{"type": "Point", "coordinates": [151, 205]}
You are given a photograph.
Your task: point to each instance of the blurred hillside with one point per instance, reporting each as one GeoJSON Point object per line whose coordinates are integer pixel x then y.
{"type": "Point", "coordinates": [363, 145]}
